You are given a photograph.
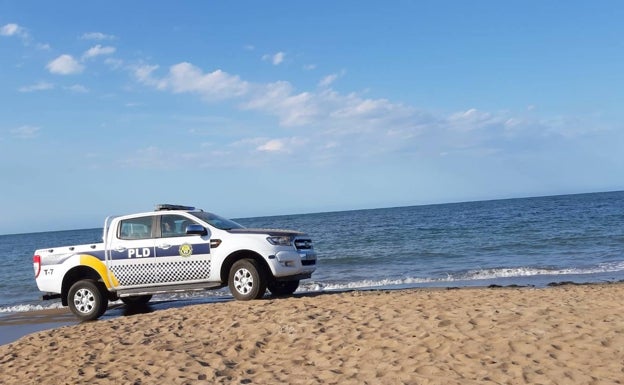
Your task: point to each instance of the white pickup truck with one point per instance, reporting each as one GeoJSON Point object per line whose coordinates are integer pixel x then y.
{"type": "Point", "coordinates": [174, 248]}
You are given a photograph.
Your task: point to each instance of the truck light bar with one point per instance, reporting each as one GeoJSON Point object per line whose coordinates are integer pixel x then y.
{"type": "Point", "coordinates": [164, 207]}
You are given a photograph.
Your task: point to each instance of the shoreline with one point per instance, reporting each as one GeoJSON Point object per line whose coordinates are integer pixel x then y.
{"type": "Point", "coordinates": [570, 334]}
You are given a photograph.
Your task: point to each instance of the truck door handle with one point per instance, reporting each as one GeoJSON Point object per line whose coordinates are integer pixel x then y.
{"type": "Point", "coordinates": [120, 249]}
{"type": "Point", "coordinates": [164, 246]}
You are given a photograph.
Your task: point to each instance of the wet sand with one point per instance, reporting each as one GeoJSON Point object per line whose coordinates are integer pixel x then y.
{"type": "Point", "coordinates": [572, 334]}
{"type": "Point", "coordinates": [16, 325]}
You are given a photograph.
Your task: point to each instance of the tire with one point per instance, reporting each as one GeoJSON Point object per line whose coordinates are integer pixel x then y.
{"type": "Point", "coordinates": [136, 300]}
{"type": "Point", "coordinates": [247, 280]}
{"type": "Point", "coordinates": [87, 300]}
{"type": "Point", "coordinates": [279, 288]}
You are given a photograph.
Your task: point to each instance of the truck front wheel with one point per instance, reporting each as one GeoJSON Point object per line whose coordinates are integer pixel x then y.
{"type": "Point", "coordinates": [87, 300]}
{"type": "Point", "coordinates": [247, 280]}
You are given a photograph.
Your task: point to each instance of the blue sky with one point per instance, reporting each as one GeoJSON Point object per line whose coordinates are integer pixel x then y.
{"type": "Point", "coordinates": [267, 108]}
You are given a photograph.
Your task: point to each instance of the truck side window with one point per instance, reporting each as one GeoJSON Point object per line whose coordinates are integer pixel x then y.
{"type": "Point", "coordinates": [135, 228]}
{"type": "Point", "coordinates": [174, 225]}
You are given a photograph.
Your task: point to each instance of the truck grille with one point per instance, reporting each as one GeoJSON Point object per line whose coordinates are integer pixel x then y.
{"type": "Point", "coordinates": [303, 244]}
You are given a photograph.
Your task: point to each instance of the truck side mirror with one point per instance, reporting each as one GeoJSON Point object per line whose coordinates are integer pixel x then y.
{"type": "Point", "coordinates": [196, 229]}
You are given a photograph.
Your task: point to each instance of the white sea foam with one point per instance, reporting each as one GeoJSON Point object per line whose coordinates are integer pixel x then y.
{"type": "Point", "coordinates": [474, 275]}
{"type": "Point", "coordinates": [530, 271]}
{"type": "Point", "coordinates": [20, 308]}
{"type": "Point", "coordinates": [321, 286]}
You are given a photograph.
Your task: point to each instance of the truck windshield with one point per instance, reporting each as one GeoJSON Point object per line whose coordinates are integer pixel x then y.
{"type": "Point", "coordinates": [217, 221]}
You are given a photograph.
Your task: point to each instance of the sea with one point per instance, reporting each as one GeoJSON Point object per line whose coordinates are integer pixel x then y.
{"type": "Point", "coordinates": [526, 242]}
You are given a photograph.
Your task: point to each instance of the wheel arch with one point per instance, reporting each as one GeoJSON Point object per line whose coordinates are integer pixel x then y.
{"type": "Point", "coordinates": [237, 256]}
{"type": "Point", "coordinates": [76, 274]}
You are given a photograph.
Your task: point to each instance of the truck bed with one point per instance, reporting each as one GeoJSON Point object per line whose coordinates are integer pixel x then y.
{"type": "Point", "coordinates": [59, 252]}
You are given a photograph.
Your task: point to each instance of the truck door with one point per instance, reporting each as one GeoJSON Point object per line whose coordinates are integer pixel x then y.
{"type": "Point", "coordinates": [131, 255]}
{"type": "Point", "coordinates": [181, 258]}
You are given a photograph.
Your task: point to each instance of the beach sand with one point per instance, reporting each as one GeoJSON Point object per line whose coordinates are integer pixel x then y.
{"type": "Point", "coordinates": [572, 334]}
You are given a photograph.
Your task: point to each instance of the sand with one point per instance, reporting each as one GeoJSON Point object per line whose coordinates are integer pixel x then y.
{"type": "Point", "coordinates": [571, 334]}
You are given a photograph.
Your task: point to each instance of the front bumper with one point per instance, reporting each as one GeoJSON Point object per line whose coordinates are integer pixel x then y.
{"type": "Point", "coordinates": [288, 263]}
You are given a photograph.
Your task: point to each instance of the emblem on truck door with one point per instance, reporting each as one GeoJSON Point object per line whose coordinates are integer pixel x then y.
{"type": "Point", "coordinates": [185, 250]}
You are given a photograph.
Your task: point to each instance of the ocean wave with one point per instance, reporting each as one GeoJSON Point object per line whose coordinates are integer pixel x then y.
{"type": "Point", "coordinates": [20, 308]}
{"type": "Point", "coordinates": [491, 274]}
{"type": "Point", "coordinates": [321, 286]}
{"type": "Point", "coordinates": [532, 271]}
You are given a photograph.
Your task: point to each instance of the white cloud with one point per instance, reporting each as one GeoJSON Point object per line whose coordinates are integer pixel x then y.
{"type": "Point", "coordinates": [97, 36]}
{"type": "Point", "coordinates": [473, 119]}
{"type": "Point", "coordinates": [309, 67]}
{"type": "Point", "coordinates": [98, 50]}
{"type": "Point", "coordinates": [278, 99]}
{"type": "Point", "coordinates": [284, 145]}
{"type": "Point", "coordinates": [77, 88]}
{"type": "Point", "coordinates": [15, 30]}
{"type": "Point", "coordinates": [278, 58]}
{"type": "Point", "coordinates": [25, 132]}
{"type": "Point", "coordinates": [275, 59]}
{"type": "Point", "coordinates": [328, 80]}
{"type": "Point", "coordinates": [114, 64]}
{"type": "Point", "coordinates": [40, 86]}
{"type": "Point", "coordinates": [348, 126]}
{"type": "Point", "coordinates": [274, 145]}
{"type": "Point", "coordinates": [185, 77]}
{"type": "Point", "coordinates": [143, 73]}
{"type": "Point", "coordinates": [330, 109]}
{"type": "Point", "coordinates": [356, 107]}
{"type": "Point", "coordinates": [65, 65]}
{"type": "Point", "coordinates": [12, 29]}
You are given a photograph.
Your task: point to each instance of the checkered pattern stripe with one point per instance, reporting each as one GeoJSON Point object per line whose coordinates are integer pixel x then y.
{"type": "Point", "coordinates": [135, 274]}
{"type": "Point", "coordinates": [172, 271]}
{"type": "Point", "coordinates": [182, 271]}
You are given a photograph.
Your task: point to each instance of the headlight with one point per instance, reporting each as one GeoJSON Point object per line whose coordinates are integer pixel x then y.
{"type": "Point", "coordinates": [283, 240]}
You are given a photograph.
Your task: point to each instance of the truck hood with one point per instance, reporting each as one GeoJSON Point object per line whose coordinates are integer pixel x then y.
{"type": "Point", "coordinates": [270, 232]}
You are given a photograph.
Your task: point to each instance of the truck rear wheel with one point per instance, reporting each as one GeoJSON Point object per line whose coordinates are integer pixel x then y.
{"type": "Point", "coordinates": [87, 300]}
{"type": "Point", "coordinates": [247, 280]}
{"type": "Point", "coordinates": [278, 288]}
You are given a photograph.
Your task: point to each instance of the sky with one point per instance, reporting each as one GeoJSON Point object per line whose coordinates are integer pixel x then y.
{"type": "Point", "coordinates": [252, 108]}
